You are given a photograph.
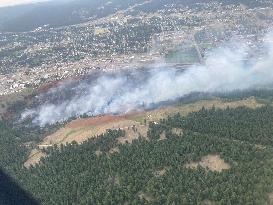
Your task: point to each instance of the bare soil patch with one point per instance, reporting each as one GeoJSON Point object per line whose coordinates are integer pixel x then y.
{"type": "Point", "coordinates": [177, 131]}
{"type": "Point", "coordinates": [212, 162]}
{"type": "Point", "coordinates": [114, 150]}
{"type": "Point", "coordinates": [162, 136]}
{"type": "Point", "coordinates": [34, 158]}
{"type": "Point", "coordinates": [133, 133]}
{"type": "Point", "coordinates": [160, 173]}
{"type": "Point", "coordinates": [260, 147]}
{"type": "Point", "coordinates": [94, 121]}
{"type": "Point", "coordinates": [98, 153]}
{"type": "Point", "coordinates": [83, 129]}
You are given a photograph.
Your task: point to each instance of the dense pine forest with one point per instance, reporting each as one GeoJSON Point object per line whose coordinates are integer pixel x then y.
{"type": "Point", "coordinates": [156, 170]}
{"type": "Point", "coordinates": [10, 149]}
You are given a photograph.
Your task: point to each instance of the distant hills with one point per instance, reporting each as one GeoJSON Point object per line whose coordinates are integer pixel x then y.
{"type": "Point", "coordinates": [29, 17]}
{"type": "Point", "coordinates": [67, 12]}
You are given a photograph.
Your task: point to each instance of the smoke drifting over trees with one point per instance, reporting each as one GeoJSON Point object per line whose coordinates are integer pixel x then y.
{"type": "Point", "coordinates": [226, 69]}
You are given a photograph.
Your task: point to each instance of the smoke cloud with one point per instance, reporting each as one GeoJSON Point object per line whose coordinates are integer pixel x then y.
{"type": "Point", "coordinates": [226, 69]}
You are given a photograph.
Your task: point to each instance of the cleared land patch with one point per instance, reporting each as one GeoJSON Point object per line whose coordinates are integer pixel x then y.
{"type": "Point", "coordinates": [163, 136]}
{"type": "Point", "coordinates": [260, 147]}
{"type": "Point", "coordinates": [177, 131]}
{"type": "Point", "coordinates": [114, 150]}
{"type": "Point", "coordinates": [160, 173]}
{"type": "Point", "coordinates": [212, 162]}
{"type": "Point", "coordinates": [34, 158]}
{"type": "Point", "coordinates": [83, 129]}
{"type": "Point", "coordinates": [133, 133]}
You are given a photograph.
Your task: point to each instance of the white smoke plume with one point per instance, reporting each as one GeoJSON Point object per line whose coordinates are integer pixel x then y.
{"type": "Point", "coordinates": [225, 70]}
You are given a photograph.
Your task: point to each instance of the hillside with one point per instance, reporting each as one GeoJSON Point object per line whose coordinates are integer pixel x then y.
{"type": "Point", "coordinates": [213, 151]}
{"type": "Point", "coordinates": [218, 157]}
{"type": "Point", "coordinates": [134, 124]}
{"type": "Point", "coordinates": [136, 102]}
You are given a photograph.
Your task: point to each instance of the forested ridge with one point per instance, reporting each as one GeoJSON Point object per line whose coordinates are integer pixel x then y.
{"type": "Point", "coordinates": [244, 124]}
{"type": "Point", "coordinates": [156, 169]}
{"type": "Point", "coordinates": [91, 174]}
{"type": "Point", "coordinates": [16, 142]}
{"type": "Point", "coordinates": [10, 150]}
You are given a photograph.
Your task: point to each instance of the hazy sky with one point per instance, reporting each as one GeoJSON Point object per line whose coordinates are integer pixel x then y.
{"type": "Point", "coordinates": [4, 3]}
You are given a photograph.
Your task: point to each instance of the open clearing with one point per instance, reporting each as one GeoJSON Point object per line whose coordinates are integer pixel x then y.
{"type": "Point", "coordinates": [132, 133]}
{"type": "Point", "coordinates": [34, 158]}
{"type": "Point", "coordinates": [83, 129]}
{"type": "Point", "coordinates": [160, 173]}
{"type": "Point", "coordinates": [212, 162]}
{"type": "Point", "coordinates": [134, 124]}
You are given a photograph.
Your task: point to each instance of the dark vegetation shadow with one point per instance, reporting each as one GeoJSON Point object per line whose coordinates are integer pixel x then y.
{"type": "Point", "coordinates": [12, 194]}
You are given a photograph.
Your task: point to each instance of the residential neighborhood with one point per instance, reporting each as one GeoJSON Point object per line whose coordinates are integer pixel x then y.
{"type": "Point", "coordinates": [125, 39]}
